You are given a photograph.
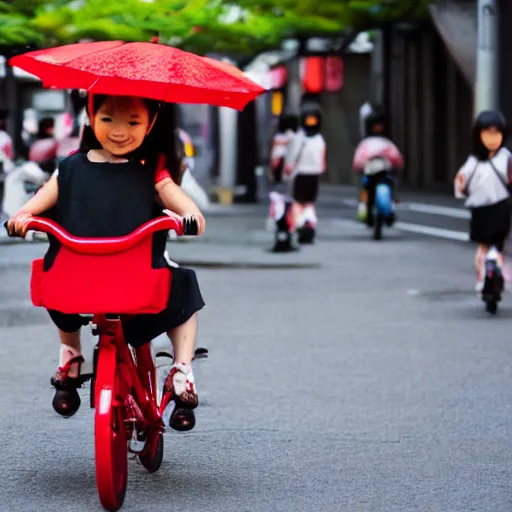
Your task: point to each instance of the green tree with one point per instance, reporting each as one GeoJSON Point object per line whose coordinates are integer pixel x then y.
{"type": "Point", "coordinates": [243, 27]}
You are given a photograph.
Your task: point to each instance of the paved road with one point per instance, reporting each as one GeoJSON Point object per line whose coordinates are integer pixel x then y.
{"type": "Point", "coordinates": [372, 383]}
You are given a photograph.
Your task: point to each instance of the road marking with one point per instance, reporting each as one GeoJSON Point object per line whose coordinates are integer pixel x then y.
{"type": "Point", "coordinates": [448, 211]}
{"type": "Point", "coordinates": [431, 209]}
{"type": "Point", "coordinates": [460, 236]}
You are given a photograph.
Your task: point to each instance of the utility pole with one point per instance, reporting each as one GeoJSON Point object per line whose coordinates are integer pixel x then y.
{"type": "Point", "coordinates": [505, 57]}
{"type": "Point", "coordinates": [486, 80]}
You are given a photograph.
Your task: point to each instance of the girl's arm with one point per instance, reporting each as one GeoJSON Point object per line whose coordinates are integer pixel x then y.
{"type": "Point", "coordinates": [174, 199]}
{"type": "Point", "coordinates": [45, 198]}
{"type": "Point", "coordinates": [463, 175]}
{"type": "Point", "coordinates": [293, 154]}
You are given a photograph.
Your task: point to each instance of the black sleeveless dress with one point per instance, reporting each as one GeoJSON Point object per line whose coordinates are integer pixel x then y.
{"type": "Point", "coordinates": [109, 200]}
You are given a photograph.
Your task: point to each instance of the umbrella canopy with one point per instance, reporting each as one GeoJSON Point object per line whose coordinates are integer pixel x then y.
{"type": "Point", "coordinates": [147, 70]}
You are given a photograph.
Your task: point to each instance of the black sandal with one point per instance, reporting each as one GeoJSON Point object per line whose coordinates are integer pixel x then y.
{"type": "Point", "coordinates": [182, 417]}
{"type": "Point", "coordinates": [67, 400]}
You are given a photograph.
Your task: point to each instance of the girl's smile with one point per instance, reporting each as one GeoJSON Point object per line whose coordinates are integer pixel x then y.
{"type": "Point", "coordinates": [121, 124]}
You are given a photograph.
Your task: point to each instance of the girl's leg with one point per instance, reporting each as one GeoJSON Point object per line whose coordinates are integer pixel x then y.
{"type": "Point", "coordinates": [298, 209]}
{"type": "Point", "coordinates": [66, 400]}
{"type": "Point", "coordinates": [66, 380]}
{"type": "Point", "coordinates": [179, 385]}
{"type": "Point", "coordinates": [310, 214]}
{"type": "Point", "coordinates": [69, 348]}
{"type": "Point", "coordinates": [183, 340]}
{"type": "Point", "coordinates": [480, 254]}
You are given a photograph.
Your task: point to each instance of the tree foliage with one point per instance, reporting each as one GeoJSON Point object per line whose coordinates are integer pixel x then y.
{"type": "Point", "coordinates": [241, 26]}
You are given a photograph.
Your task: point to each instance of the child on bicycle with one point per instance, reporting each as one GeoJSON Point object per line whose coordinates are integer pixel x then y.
{"type": "Point", "coordinates": [376, 158]}
{"type": "Point", "coordinates": [125, 171]}
{"type": "Point", "coordinates": [484, 181]}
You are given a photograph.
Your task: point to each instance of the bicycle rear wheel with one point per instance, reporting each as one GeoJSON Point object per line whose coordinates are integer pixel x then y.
{"type": "Point", "coordinates": [110, 436]}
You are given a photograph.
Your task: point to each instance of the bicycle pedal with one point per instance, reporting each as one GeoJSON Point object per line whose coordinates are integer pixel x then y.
{"type": "Point", "coordinates": [201, 353]}
{"type": "Point", "coordinates": [135, 444]}
{"type": "Point", "coordinates": [164, 354]}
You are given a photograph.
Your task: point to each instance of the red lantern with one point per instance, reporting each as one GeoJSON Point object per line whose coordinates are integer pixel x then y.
{"type": "Point", "coordinates": [312, 74]}
{"type": "Point", "coordinates": [334, 73]}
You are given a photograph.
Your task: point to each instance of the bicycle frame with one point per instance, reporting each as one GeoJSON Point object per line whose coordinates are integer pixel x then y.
{"type": "Point", "coordinates": [138, 377]}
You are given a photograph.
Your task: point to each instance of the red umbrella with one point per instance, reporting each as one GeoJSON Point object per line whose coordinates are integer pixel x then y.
{"type": "Point", "coordinates": [147, 70]}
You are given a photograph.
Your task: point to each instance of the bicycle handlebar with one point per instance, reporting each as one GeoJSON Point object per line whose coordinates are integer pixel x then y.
{"type": "Point", "coordinates": [114, 244]}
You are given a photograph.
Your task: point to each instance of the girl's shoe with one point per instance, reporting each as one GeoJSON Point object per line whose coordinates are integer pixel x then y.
{"type": "Point", "coordinates": [67, 400]}
{"type": "Point", "coordinates": [179, 387]}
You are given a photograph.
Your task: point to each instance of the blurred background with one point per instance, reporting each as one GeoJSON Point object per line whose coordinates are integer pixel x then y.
{"type": "Point", "coordinates": [416, 59]}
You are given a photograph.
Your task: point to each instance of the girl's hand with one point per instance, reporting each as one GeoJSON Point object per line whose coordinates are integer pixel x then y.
{"type": "Point", "coordinates": [288, 170]}
{"type": "Point", "coordinates": [17, 225]}
{"type": "Point", "coordinates": [201, 222]}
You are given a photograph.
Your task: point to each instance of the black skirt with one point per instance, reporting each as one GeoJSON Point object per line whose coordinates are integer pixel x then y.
{"type": "Point", "coordinates": [185, 299]}
{"type": "Point", "coordinates": [305, 188]}
{"type": "Point", "coordinates": [490, 225]}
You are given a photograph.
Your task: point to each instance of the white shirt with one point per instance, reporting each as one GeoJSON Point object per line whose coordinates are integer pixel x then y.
{"type": "Point", "coordinates": [307, 154]}
{"type": "Point", "coordinates": [485, 188]}
{"type": "Point", "coordinates": [280, 144]}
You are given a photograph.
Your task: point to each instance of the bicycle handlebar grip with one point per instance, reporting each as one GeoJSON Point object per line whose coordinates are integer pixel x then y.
{"type": "Point", "coordinates": [190, 227]}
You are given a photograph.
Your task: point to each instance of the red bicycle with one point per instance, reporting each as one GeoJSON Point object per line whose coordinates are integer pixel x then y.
{"type": "Point", "coordinates": [113, 277]}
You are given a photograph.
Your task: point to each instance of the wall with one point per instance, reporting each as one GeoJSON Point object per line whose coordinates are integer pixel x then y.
{"type": "Point", "coordinates": [430, 106]}
{"type": "Point", "coordinates": [341, 117]}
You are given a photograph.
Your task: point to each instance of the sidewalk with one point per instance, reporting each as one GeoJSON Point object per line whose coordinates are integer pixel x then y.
{"type": "Point", "coordinates": [236, 234]}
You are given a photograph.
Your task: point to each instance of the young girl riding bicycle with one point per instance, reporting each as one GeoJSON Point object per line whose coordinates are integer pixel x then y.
{"type": "Point", "coordinates": [126, 171]}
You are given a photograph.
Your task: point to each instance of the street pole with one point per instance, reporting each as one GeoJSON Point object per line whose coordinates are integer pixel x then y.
{"type": "Point", "coordinates": [486, 79]}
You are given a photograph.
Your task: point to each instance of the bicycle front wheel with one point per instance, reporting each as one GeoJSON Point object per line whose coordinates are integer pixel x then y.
{"type": "Point", "coordinates": [110, 435]}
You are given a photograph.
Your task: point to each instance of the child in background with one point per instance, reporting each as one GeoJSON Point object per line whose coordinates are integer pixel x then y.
{"type": "Point", "coordinates": [304, 163]}
{"type": "Point", "coordinates": [484, 181]}
{"type": "Point", "coordinates": [376, 157]}
{"type": "Point", "coordinates": [286, 131]}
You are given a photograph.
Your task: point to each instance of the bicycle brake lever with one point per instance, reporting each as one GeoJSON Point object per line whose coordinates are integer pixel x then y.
{"type": "Point", "coordinates": [190, 227]}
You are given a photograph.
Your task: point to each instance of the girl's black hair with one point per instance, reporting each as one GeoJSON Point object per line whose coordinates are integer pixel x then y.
{"type": "Point", "coordinates": [45, 124]}
{"type": "Point", "coordinates": [288, 122]}
{"type": "Point", "coordinates": [311, 111]}
{"type": "Point", "coordinates": [487, 119]}
{"type": "Point", "coordinates": [377, 117]}
{"type": "Point", "coordinates": [163, 139]}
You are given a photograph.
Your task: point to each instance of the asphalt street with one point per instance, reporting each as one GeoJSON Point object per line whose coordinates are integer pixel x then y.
{"type": "Point", "coordinates": [353, 376]}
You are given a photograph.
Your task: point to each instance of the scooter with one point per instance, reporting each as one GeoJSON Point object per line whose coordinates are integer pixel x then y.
{"type": "Point", "coordinates": [493, 282]}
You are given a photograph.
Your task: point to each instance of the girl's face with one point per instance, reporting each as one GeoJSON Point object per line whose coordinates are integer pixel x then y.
{"type": "Point", "coordinates": [121, 124]}
{"type": "Point", "coordinates": [492, 138]}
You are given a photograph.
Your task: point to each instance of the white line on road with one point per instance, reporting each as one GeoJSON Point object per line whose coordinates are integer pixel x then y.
{"type": "Point", "coordinates": [461, 236]}
{"type": "Point", "coordinates": [448, 211]}
{"type": "Point", "coordinates": [431, 209]}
